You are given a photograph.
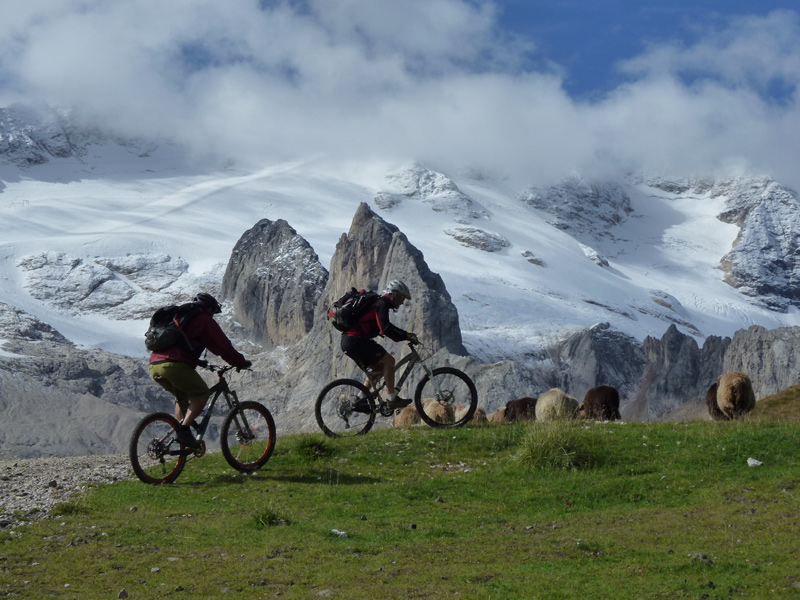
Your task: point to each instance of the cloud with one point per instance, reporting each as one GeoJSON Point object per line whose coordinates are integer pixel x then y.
{"type": "Point", "coordinates": [434, 80]}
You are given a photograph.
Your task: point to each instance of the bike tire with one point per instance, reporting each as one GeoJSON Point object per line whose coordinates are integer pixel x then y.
{"type": "Point", "coordinates": [247, 437]}
{"type": "Point", "coordinates": [333, 409]}
{"type": "Point", "coordinates": [455, 406]}
{"type": "Point", "coordinates": [152, 442]}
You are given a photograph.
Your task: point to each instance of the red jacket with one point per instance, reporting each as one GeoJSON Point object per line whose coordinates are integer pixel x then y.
{"type": "Point", "coordinates": [203, 333]}
{"type": "Point", "coordinates": [375, 322]}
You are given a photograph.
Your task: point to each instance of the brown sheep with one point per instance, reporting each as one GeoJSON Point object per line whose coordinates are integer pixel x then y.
{"type": "Point", "coordinates": [438, 412]}
{"type": "Point", "coordinates": [521, 409]}
{"type": "Point", "coordinates": [478, 417]}
{"type": "Point", "coordinates": [407, 416]}
{"type": "Point", "coordinates": [556, 405]}
{"type": "Point", "coordinates": [711, 404]}
{"type": "Point", "coordinates": [735, 396]}
{"type": "Point", "coordinates": [498, 416]}
{"type": "Point", "coordinates": [600, 403]}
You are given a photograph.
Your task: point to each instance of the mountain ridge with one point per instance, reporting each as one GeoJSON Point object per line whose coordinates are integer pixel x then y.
{"type": "Point", "coordinates": [546, 281]}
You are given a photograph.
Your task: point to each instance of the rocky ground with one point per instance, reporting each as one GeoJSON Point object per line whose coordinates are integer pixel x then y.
{"type": "Point", "coordinates": [31, 487]}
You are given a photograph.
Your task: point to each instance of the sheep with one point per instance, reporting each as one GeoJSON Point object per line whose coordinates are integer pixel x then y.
{"type": "Point", "coordinates": [438, 412]}
{"type": "Point", "coordinates": [601, 403]}
{"type": "Point", "coordinates": [555, 405]}
{"type": "Point", "coordinates": [711, 403]}
{"type": "Point", "coordinates": [521, 409]}
{"type": "Point", "coordinates": [735, 396]}
{"type": "Point", "coordinates": [498, 416]}
{"type": "Point", "coordinates": [478, 417]}
{"type": "Point", "coordinates": [407, 416]}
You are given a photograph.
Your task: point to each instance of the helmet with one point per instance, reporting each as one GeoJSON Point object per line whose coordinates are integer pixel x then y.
{"type": "Point", "coordinates": [208, 301]}
{"type": "Point", "coordinates": [395, 286]}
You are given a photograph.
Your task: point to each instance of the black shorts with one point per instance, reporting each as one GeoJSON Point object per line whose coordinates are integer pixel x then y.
{"type": "Point", "coordinates": [362, 350]}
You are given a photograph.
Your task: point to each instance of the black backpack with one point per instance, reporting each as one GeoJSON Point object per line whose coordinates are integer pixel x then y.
{"type": "Point", "coordinates": [166, 327]}
{"type": "Point", "coordinates": [349, 308]}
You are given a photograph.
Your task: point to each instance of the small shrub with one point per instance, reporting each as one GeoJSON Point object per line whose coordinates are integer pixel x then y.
{"type": "Point", "coordinates": [555, 445]}
{"type": "Point", "coordinates": [68, 508]}
{"type": "Point", "coordinates": [269, 518]}
{"type": "Point", "coordinates": [314, 448]}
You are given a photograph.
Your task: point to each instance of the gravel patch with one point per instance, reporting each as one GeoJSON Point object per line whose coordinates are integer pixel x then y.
{"type": "Point", "coordinates": [31, 487]}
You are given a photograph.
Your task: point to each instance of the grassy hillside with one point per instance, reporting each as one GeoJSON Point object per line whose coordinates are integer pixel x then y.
{"type": "Point", "coordinates": [637, 510]}
{"type": "Point", "coordinates": [783, 406]}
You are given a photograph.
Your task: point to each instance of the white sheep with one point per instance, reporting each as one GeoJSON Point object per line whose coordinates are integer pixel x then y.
{"type": "Point", "coordinates": [556, 405]}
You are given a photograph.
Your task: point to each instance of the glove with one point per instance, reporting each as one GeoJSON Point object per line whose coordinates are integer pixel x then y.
{"type": "Point", "coordinates": [412, 337]}
{"type": "Point", "coordinates": [202, 363]}
{"type": "Point", "coordinates": [245, 365]}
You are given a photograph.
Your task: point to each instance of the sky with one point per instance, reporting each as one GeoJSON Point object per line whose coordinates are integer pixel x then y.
{"type": "Point", "coordinates": [532, 90]}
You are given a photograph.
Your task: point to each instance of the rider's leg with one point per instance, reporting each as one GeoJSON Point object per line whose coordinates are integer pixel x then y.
{"type": "Point", "coordinates": [195, 408]}
{"type": "Point", "coordinates": [386, 365]}
{"type": "Point", "coordinates": [190, 391]}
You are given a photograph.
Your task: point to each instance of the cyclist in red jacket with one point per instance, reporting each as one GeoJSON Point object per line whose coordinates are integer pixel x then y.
{"type": "Point", "coordinates": [357, 342]}
{"type": "Point", "coordinates": [174, 368]}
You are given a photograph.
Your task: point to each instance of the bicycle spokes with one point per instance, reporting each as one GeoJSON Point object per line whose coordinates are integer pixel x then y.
{"type": "Point", "coordinates": [155, 454]}
{"type": "Point", "coordinates": [343, 408]}
{"type": "Point", "coordinates": [248, 436]}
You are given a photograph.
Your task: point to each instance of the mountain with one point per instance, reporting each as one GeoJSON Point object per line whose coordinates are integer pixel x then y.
{"type": "Point", "coordinates": [97, 231]}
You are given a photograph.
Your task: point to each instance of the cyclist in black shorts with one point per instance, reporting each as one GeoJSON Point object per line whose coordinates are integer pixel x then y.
{"type": "Point", "coordinates": [357, 342]}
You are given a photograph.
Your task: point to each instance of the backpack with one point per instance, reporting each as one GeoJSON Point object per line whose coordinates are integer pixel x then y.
{"type": "Point", "coordinates": [349, 308]}
{"type": "Point", "coordinates": [166, 327]}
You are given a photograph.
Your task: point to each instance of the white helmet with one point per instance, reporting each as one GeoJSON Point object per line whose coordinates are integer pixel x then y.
{"type": "Point", "coordinates": [395, 286]}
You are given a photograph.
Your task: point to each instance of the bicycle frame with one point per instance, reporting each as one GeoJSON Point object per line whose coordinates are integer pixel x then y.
{"type": "Point", "coordinates": [218, 389]}
{"type": "Point", "coordinates": [409, 361]}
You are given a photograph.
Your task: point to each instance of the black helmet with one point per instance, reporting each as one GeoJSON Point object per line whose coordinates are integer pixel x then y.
{"type": "Point", "coordinates": [208, 301]}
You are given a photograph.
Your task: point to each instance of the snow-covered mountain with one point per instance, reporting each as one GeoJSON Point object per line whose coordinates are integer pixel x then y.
{"type": "Point", "coordinates": [97, 230]}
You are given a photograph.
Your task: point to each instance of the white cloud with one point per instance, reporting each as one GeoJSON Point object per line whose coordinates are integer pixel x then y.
{"type": "Point", "coordinates": [427, 79]}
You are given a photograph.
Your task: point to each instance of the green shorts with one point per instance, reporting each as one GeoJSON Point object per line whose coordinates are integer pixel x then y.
{"type": "Point", "coordinates": [180, 380]}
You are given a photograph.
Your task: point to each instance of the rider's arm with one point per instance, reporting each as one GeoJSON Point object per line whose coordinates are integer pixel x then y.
{"type": "Point", "coordinates": [218, 343]}
{"type": "Point", "coordinates": [386, 328]}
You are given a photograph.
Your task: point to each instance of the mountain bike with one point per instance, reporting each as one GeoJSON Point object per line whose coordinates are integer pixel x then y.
{"type": "Point", "coordinates": [445, 397]}
{"type": "Point", "coordinates": [247, 436]}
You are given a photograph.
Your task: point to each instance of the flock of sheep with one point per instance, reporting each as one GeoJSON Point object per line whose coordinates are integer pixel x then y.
{"type": "Point", "coordinates": [730, 397]}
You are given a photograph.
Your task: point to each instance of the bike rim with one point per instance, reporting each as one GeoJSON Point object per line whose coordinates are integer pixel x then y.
{"type": "Point", "coordinates": [337, 414]}
{"type": "Point", "coordinates": [446, 400]}
{"type": "Point", "coordinates": [153, 457]}
{"type": "Point", "coordinates": [250, 437]}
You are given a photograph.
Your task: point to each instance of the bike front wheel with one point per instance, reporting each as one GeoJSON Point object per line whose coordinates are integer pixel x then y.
{"type": "Point", "coordinates": [156, 455]}
{"type": "Point", "coordinates": [247, 437]}
{"type": "Point", "coordinates": [447, 398]}
{"type": "Point", "coordinates": [345, 408]}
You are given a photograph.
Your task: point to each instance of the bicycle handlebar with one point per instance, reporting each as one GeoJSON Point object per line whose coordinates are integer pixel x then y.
{"type": "Point", "coordinates": [220, 370]}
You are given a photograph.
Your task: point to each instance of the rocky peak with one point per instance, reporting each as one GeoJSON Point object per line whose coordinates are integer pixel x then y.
{"type": "Point", "coordinates": [430, 188]}
{"type": "Point", "coordinates": [373, 253]}
{"type": "Point", "coordinates": [600, 355]}
{"type": "Point", "coordinates": [765, 259]}
{"type": "Point", "coordinates": [678, 371]}
{"type": "Point", "coordinates": [582, 207]}
{"type": "Point", "coordinates": [274, 280]}
{"type": "Point", "coordinates": [360, 255]}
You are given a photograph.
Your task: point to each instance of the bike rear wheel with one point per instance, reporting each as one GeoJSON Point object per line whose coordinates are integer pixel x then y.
{"type": "Point", "coordinates": [155, 453]}
{"type": "Point", "coordinates": [247, 437]}
{"type": "Point", "coordinates": [345, 408]}
{"type": "Point", "coordinates": [448, 399]}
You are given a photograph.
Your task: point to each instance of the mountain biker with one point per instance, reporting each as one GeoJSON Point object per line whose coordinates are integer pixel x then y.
{"type": "Point", "coordinates": [357, 342]}
{"type": "Point", "coordinates": [174, 368]}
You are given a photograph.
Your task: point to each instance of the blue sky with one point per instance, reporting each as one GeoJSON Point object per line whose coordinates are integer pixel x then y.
{"type": "Point", "coordinates": [535, 89]}
{"type": "Point", "coordinates": [588, 39]}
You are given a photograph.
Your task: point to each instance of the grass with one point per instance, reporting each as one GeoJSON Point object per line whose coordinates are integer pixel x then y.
{"type": "Point", "coordinates": [638, 510]}
{"type": "Point", "coordinates": [783, 406]}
